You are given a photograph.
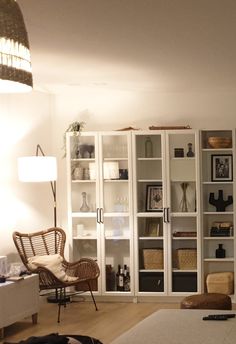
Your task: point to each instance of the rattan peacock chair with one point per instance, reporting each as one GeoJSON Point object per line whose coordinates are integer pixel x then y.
{"type": "Point", "coordinates": [52, 242]}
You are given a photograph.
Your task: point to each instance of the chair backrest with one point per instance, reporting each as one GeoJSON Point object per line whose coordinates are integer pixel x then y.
{"type": "Point", "coordinates": [46, 242]}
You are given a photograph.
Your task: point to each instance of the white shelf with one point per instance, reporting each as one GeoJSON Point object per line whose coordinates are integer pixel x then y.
{"type": "Point", "coordinates": [217, 149]}
{"type": "Point", "coordinates": [151, 214]}
{"type": "Point", "coordinates": [85, 237]}
{"type": "Point", "coordinates": [218, 212]}
{"type": "Point", "coordinates": [115, 159]}
{"type": "Point", "coordinates": [219, 238]}
{"type": "Point", "coordinates": [150, 181]}
{"type": "Point", "coordinates": [184, 214]}
{"type": "Point", "coordinates": [116, 180]}
{"type": "Point", "coordinates": [83, 181]}
{"type": "Point", "coordinates": [118, 237]}
{"type": "Point", "coordinates": [181, 270]}
{"type": "Point", "coordinates": [83, 159]}
{"type": "Point", "coordinates": [184, 238]}
{"type": "Point", "coordinates": [151, 270]}
{"type": "Point", "coordinates": [149, 159]}
{"type": "Point", "coordinates": [221, 260]}
{"type": "Point", "coordinates": [81, 214]}
{"type": "Point", "coordinates": [151, 238]}
{"type": "Point", "coordinates": [216, 183]}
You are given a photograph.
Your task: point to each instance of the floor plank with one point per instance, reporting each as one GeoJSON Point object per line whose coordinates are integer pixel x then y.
{"type": "Point", "coordinates": [112, 319]}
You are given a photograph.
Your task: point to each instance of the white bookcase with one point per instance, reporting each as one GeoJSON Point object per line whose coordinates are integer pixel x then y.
{"type": "Point", "coordinates": [100, 203]}
{"type": "Point", "coordinates": [174, 176]}
{"type": "Point", "coordinates": [125, 203]}
{"type": "Point", "coordinates": [213, 180]}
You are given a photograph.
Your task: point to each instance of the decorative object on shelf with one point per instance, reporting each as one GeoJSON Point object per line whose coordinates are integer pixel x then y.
{"type": "Point", "coordinates": [179, 152]}
{"type": "Point", "coordinates": [152, 228]}
{"type": "Point", "coordinates": [154, 197]}
{"type": "Point", "coordinates": [86, 173]}
{"type": "Point", "coordinates": [84, 207]}
{"type": "Point", "coordinates": [190, 153]}
{"type": "Point", "coordinates": [219, 203]}
{"type": "Point", "coordinates": [78, 173]}
{"type": "Point", "coordinates": [184, 203]}
{"type": "Point", "coordinates": [110, 278]}
{"type": "Point", "coordinates": [148, 147]}
{"type": "Point", "coordinates": [219, 229]}
{"type": "Point", "coordinates": [92, 171]}
{"type": "Point", "coordinates": [184, 234]}
{"type": "Point", "coordinates": [153, 127]}
{"type": "Point", "coordinates": [220, 251]}
{"type": "Point", "coordinates": [123, 173]}
{"type": "Point", "coordinates": [15, 66]}
{"type": "Point", "coordinates": [153, 258]}
{"type": "Point", "coordinates": [186, 258]}
{"type": "Point", "coordinates": [111, 170]}
{"type": "Point", "coordinates": [84, 151]}
{"type": "Point", "coordinates": [126, 129]}
{"type": "Point", "coordinates": [75, 128]}
{"type": "Point", "coordinates": [219, 142]}
{"type": "Point", "coordinates": [222, 168]}
{"type": "Point", "coordinates": [80, 229]}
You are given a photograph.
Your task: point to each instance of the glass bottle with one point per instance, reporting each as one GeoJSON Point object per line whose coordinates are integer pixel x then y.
{"type": "Point", "coordinates": [190, 153]}
{"type": "Point", "coordinates": [84, 207]}
{"type": "Point", "coordinates": [220, 251]}
{"type": "Point", "coordinates": [148, 147]}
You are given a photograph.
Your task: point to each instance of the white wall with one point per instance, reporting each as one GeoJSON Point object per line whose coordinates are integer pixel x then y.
{"type": "Point", "coordinates": [25, 121]}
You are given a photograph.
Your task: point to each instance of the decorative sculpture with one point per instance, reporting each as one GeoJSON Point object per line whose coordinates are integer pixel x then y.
{"type": "Point", "coordinates": [219, 203]}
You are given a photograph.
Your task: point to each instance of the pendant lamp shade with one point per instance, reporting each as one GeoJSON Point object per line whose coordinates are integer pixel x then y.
{"type": "Point", "coordinates": [15, 62]}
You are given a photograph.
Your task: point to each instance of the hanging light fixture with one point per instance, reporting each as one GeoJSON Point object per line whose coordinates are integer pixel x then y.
{"type": "Point", "coordinates": [15, 62]}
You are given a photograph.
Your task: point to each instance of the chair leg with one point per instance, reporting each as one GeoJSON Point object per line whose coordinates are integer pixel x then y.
{"type": "Point", "coordinates": [91, 292]}
{"type": "Point", "coordinates": [61, 302]}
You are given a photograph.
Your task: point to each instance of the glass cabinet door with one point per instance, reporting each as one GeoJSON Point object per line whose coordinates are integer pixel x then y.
{"type": "Point", "coordinates": [183, 200]}
{"type": "Point", "coordinates": [116, 212]}
{"type": "Point", "coordinates": [83, 200]}
{"type": "Point", "coordinates": [148, 212]}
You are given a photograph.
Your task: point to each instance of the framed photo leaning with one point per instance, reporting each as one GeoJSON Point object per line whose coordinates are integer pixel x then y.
{"type": "Point", "coordinates": [221, 168]}
{"type": "Point", "coordinates": [154, 198]}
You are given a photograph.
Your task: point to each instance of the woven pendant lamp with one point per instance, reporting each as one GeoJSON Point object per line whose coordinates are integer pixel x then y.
{"type": "Point", "coordinates": [15, 62]}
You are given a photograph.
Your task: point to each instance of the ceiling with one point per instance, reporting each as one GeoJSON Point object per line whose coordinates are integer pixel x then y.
{"type": "Point", "coordinates": [150, 45]}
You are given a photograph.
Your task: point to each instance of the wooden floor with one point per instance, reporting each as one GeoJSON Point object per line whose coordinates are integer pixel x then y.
{"type": "Point", "coordinates": [112, 319]}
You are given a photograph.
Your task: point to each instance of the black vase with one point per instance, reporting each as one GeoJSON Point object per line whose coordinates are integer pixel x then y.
{"type": "Point", "coordinates": [220, 251]}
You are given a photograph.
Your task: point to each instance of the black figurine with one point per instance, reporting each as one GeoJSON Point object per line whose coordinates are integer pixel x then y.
{"type": "Point", "coordinates": [219, 203]}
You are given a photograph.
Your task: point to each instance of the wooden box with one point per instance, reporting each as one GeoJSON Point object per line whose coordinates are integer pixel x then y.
{"type": "Point", "coordinates": [153, 258]}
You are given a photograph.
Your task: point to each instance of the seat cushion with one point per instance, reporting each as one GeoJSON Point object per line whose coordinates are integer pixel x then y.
{"type": "Point", "coordinates": [52, 262]}
{"type": "Point", "coordinates": [207, 301]}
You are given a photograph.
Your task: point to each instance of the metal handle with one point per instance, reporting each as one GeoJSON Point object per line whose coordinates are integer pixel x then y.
{"type": "Point", "coordinates": [168, 215]}
{"type": "Point", "coordinates": [101, 215]}
{"type": "Point", "coordinates": [98, 216]}
{"type": "Point", "coordinates": [164, 215]}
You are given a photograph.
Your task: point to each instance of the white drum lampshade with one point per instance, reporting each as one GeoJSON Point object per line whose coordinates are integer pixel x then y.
{"type": "Point", "coordinates": [37, 169]}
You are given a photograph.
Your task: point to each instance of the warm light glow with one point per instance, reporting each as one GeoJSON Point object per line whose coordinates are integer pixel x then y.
{"type": "Point", "coordinates": [37, 169]}
{"type": "Point", "coordinates": [7, 86]}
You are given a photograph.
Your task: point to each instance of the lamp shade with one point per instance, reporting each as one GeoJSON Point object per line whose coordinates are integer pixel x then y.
{"type": "Point", "coordinates": [37, 169]}
{"type": "Point", "coordinates": [15, 61]}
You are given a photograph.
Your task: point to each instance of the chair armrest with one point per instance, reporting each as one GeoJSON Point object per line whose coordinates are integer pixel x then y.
{"type": "Point", "coordinates": [84, 269]}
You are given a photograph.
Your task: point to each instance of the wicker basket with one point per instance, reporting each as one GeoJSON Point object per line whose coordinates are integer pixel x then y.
{"type": "Point", "coordinates": [219, 142]}
{"type": "Point", "coordinates": [153, 258]}
{"type": "Point", "coordinates": [186, 258]}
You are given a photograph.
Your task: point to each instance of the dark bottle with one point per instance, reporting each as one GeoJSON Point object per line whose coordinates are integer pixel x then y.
{"type": "Point", "coordinates": [126, 279]}
{"type": "Point", "coordinates": [220, 251]}
{"type": "Point", "coordinates": [148, 147]}
{"type": "Point", "coordinates": [120, 279]}
{"type": "Point", "coordinates": [190, 153]}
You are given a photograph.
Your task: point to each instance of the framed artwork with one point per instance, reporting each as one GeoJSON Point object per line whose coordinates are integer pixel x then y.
{"type": "Point", "coordinates": [222, 168]}
{"type": "Point", "coordinates": [152, 228]}
{"type": "Point", "coordinates": [154, 201]}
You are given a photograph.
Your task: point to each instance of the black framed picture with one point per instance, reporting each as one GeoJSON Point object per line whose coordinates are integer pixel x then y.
{"type": "Point", "coordinates": [154, 201]}
{"type": "Point", "coordinates": [221, 167]}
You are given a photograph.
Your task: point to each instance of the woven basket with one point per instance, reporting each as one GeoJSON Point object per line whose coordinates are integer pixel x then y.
{"type": "Point", "coordinates": [219, 142]}
{"type": "Point", "coordinates": [186, 258]}
{"type": "Point", "coordinates": [153, 258]}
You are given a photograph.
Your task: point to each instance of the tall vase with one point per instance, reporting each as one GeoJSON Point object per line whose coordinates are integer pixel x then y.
{"type": "Point", "coordinates": [184, 202]}
{"type": "Point", "coordinates": [84, 207]}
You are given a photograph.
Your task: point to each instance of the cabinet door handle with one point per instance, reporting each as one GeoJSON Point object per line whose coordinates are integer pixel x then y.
{"type": "Point", "coordinates": [164, 217]}
{"type": "Point", "coordinates": [98, 216]}
{"type": "Point", "coordinates": [168, 214]}
{"type": "Point", "coordinates": [101, 215]}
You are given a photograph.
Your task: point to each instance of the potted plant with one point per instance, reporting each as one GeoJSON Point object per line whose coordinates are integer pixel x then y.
{"type": "Point", "coordinates": [74, 127]}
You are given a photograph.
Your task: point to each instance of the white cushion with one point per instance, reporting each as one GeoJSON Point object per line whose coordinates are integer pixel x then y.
{"type": "Point", "coordinates": [52, 262]}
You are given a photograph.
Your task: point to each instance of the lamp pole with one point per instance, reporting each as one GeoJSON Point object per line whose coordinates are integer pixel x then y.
{"type": "Point", "coordinates": [53, 187]}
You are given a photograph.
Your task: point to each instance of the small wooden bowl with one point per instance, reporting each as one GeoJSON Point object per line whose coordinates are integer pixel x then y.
{"type": "Point", "coordinates": [219, 142]}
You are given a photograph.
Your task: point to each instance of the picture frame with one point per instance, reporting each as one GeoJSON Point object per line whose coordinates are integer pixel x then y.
{"type": "Point", "coordinates": [152, 228]}
{"type": "Point", "coordinates": [221, 168]}
{"type": "Point", "coordinates": [154, 198]}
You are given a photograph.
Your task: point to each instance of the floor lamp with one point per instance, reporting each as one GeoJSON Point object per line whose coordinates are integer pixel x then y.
{"type": "Point", "coordinates": [40, 168]}
{"type": "Point", "coordinates": [36, 169]}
